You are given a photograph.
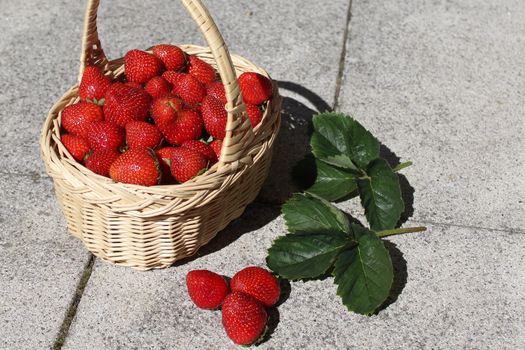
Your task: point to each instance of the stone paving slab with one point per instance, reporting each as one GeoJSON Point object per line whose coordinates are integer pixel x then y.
{"type": "Point", "coordinates": [443, 84]}
{"type": "Point", "coordinates": [40, 264]}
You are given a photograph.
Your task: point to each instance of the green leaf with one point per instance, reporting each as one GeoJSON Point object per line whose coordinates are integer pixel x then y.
{"type": "Point", "coordinates": [381, 195]}
{"type": "Point", "coordinates": [299, 255]}
{"type": "Point", "coordinates": [309, 214]}
{"type": "Point", "coordinates": [332, 183]}
{"type": "Point", "coordinates": [341, 141]}
{"type": "Point", "coordinates": [364, 274]}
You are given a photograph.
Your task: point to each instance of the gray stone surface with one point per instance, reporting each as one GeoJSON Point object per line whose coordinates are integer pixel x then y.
{"type": "Point", "coordinates": [40, 264]}
{"type": "Point", "coordinates": [442, 84]}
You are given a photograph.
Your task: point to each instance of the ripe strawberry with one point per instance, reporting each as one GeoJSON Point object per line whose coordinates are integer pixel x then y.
{"type": "Point", "coordinates": [99, 162]}
{"type": "Point", "coordinates": [104, 135]}
{"type": "Point", "coordinates": [254, 114]}
{"type": "Point", "coordinates": [244, 318]}
{"type": "Point", "coordinates": [258, 283]}
{"type": "Point", "coordinates": [186, 163]}
{"type": "Point", "coordinates": [141, 66]}
{"type": "Point", "coordinates": [216, 146]}
{"type": "Point", "coordinates": [76, 145]}
{"type": "Point", "coordinates": [142, 135]}
{"type": "Point", "coordinates": [137, 166]}
{"type": "Point", "coordinates": [164, 110]}
{"type": "Point", "coordinates": [216, 89]}
{"type": "Point", "coordinates": [172, 56]}
{"type": "Point", "coordinates": [202, 148]}
{"type": "Point", "coordinates": [186, 126]}
{"type": "Point", "coordinates": [206, 288]}
{"type": "Point", "coordinates": [201, 70]}
{"type": "Point", "coordinates": [133, 85]}
{"type": "Point", "coordinates": [255, 88]}
{"type": "Point", "coordinates": [189, 89]}
{"type": "Point", "coordinates": [76, 118]}
{"type": "Point", "coordinates": [124, 104]}
{"type": "Point", "coordinates": [93, 85]}
{"type": "Point", "coordinates": [164, 156]}
{"type": "Point", "coordinates": [158, 87]}
{"type": "Point", "coordinates": [215, 117]}
{"type": "Point", "coordinates": [173, 77]}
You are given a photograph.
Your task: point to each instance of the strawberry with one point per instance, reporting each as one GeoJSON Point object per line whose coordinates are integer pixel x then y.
{"type": "Point", "coordinates": [259, 283]}
{"type": "Point", "coordinates": [206, 288]}
{"type": "Point", "coordinates": [216, 89]}
{"type": "Point", "coordinates": [255, 88]}
{"type": "Point", "coordinates": [244, 318]}
{"type": "Point", "coordinates": [204, 150]}
{"type": "Point", "coordinates": [99, 162]}
{"type": "Point", "coordinates": [254, 114]}
{"type": "Point", "coordinates": [216, 146]}
{"type": "Point", "coordinates": [186, 163]}
{"type": "Point", "coordinates": [137, 166]}
{"type": "Point", "coordinates": [172, 56]}
{"type": "Point", "coordinates": [215, 117]}
{"type": "Point", "coordinates": [201, 70]}
{"type": "Point", "coordinates": [164, 155]}
{"type": "Point", "coordinates": [133, 85]}
{"type": "Point", "coordinates": [104, 135]}
{"type": "Point", "coordinates": [158, 87]}
{"type": "Point", "coordinates": [164, 110]}
{"type": "Point", "coordinates": [124, 104]}
{"type": "Point", "coordinates": [76, 145]}
{"type": "Point", "coordinates": [189, 89]}
{"type": "Point", "coordinates": [186, 126]}
{"type": "Point", "coordinates": [173, 77]}
{"type": "Point", "coordinates": [141, 66]}
{"type": "Point", "coordinates": [93, 85]}
{"type": "Point", "coordinates": [142, 135]}
{"type": "Point", "coordinates": [76, 118]}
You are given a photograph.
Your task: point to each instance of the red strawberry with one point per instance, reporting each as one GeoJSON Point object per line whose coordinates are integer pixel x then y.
{"type": "Point", "coordinates": [76, 145]}
{"type": "Point", "coordinates": [215, 117]}
{"type": "Point", "coordinates": [255, 88]}
{"type": "Point", "coordinates": [216, 89]}
{"type": "Point", "coordinates": [124, 104]}
{"type": "Point", "coordinates": [244, 318]}
{"type": "Point", "coordinates": [216, 146]}
{"type": "Point", "coordinates": [186, 126]}
{"type": "Point", "coordinates": [158, 87]}
{"type": "Point", "coordinates": [137, 166]}
{"type": "Point", "coordinates": [254, 114]}
{"type": "Point", "coordinates": [259, 283]}
{"type": "Point", "coordinates": [164, 155]}
{"type": "Point", "coordinates": [93, 85]}
{"type": "Point", "coordinates": [133, 85]}
{"type": "Point", "coordinates": [141, 66]}
{"type": "Point", "coordinates": [207, 289]}
{"type": "Point", "coordinates": [104, 135]}
{"type": "Point", "coordinates": [76, 118]}
{"type": "Point", "coordinates": [189, 89]}
{"type": "Point", "coordinates": [164, 110]}
{"type": "Point", "coordinates": [205, 150]}
{"type": "Point", "coordinates": [201, 70]}
{"type": "Point", "coordinates": [99, 162]}
{"type": "Point", "coordinates": [173, 77]}
{"type": "Point", "coordinates": [186, 163]}
{"type": "Point", "coordinates": [142, 135]}
{"type": "Point", "coordinates": [172, 56]}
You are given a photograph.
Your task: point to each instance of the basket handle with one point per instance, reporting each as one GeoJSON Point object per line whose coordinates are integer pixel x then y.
{"type": "Point", "coordinates": [239, 133]}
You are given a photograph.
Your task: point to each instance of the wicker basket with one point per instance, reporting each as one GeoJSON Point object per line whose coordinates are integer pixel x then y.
{"type": "Point", "coordinates": [152, 227]}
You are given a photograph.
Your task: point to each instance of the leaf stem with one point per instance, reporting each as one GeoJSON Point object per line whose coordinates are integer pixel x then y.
{"type": "Point", "coordinates": [402, 166]}
{"type": "Point", "coordinates": [401, 230]}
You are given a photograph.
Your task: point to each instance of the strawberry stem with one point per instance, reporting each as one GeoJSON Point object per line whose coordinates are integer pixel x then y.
{"type": "Point", "coordinates": [401, 230]}
{"type": "Point", "coordinates": [402, 166]}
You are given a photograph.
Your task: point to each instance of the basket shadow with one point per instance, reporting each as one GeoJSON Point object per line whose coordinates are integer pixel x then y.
{"type": "Point", "coordinates": [400, 275]}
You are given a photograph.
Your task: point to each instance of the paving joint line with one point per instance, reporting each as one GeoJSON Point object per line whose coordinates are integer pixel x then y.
{"type": "Point", "coordinates": [34, 176]}
{"type": "Point", "coordinates": [342, 58]}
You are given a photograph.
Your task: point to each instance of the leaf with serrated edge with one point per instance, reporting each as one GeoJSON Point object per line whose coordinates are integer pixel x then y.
{"type": "Point", "coordinates": [310, 214]}
{"type": "Point", "coordinates": [364, 274]}
{"type": "Point", "coordinates": [297, 256]}
{"type": "Point", "coordinates": [381, 196]}
{"type": "Point", "coordinates": [332, 183]}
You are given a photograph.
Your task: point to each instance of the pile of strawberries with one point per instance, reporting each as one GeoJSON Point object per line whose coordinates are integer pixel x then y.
{"type": "Point", "coordinates": [164, 124]}
{"type": "Point", "coordinates": [244, 317]}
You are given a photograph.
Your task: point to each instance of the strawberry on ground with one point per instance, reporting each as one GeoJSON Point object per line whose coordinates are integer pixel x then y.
{"type": "Point", "coordinates": [137, 166]}
{"type": "Point", "coordinates": [142, 135]}
{"type": "Point", "coordinates": [76, 145]}
{"type": "Point", "coordinates": [255, 88]}
{"type": "Point", "coordinates": [214, 116]}
{"type": "Point", "coordinates": [158, 87]}
{"type": "Point", "coordinates": [186, 126]}
{"type": "Point", "coordinates": [206, 288]}
{"type": "Point", "coordinates": [99, 162]}
{"type": "Point", "coordinates": [124, 104]}
{"type": "Point", "coordinates": [201, 70]}
{"type": "Point", "coordinates": [164, 110]}
{"type": "Point", "coordinates": [172, 56]}
{"type": "Point", "coordinates": [259, 283]}
{"type": "Point", "coordinates": [189, 89]}
{"type": "Point", "coordinates": [164, 156]}
{"type": "Point", "coordinates": [216, 146]}
{"type": "Point", "coordinates": [244, 318]}
{"type": "Point", "coordinates": [105, 135]}
{"type": "Point", "coordinates": [93, 85]}
{"type": "Point", "coordinates": [141, 66]}
{"type": "Point", "coordinates": [77, 118]}
{"type": "Point", "coordinates": [205, 150]}
{"type": "Point", "coordinates": [254, 114]}
{"type": "Point", "coordinates": [186, 163]}
{"type": "Point", "coordinates": [216, 89]}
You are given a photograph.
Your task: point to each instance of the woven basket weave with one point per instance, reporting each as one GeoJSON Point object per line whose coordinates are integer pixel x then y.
{"type": "Point", "coordinates": [152, 227]}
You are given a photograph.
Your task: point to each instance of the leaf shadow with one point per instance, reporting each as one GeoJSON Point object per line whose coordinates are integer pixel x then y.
{"type": "Point", "coordinates": [400, 275]}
